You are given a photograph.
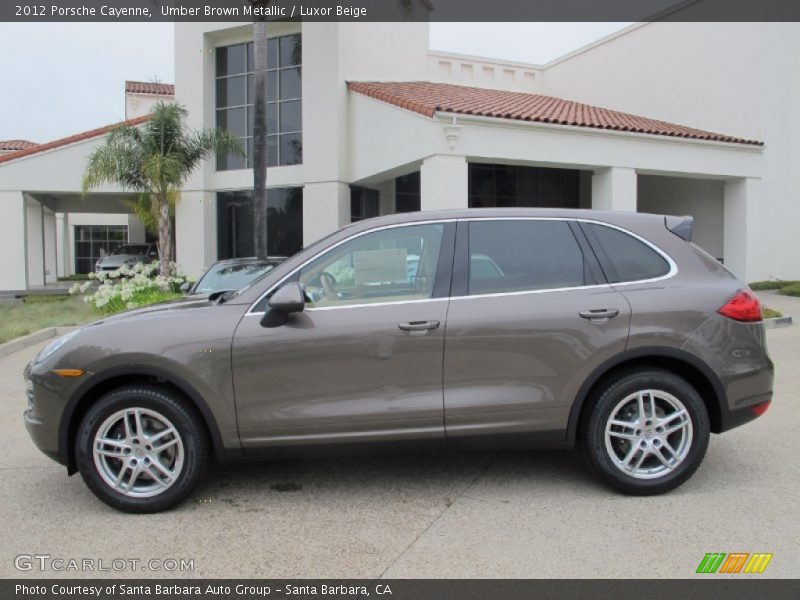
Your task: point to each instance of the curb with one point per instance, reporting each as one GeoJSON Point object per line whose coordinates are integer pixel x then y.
{"type": "Point", "coordinates": [778, 322]}
{"type": "Point", "coordinates": [31, 339]}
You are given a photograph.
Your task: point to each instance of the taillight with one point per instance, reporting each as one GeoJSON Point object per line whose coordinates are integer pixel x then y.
{"type": "Point", "coordinates": [744, 306]}
{"type": "Point", "coordinates": [760, 409]}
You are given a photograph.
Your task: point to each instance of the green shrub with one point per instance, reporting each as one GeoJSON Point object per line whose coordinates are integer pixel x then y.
{"type": "Point", "coordinates": [75, 277]}
{"type": "Point", "coordinates": [772, 284]}
{"type": "Point", "coordinates": [790, 290]}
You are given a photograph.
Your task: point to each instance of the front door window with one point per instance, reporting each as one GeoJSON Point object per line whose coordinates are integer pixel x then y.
{"type": "Point", "coordinates": [389, 265]}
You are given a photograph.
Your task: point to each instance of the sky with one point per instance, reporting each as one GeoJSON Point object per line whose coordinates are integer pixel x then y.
{"type": "Point", "coordinates": [59, 79]}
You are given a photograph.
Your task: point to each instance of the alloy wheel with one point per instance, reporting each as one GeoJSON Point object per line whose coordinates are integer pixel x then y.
{"type": "Point", "coordinates": [138, 452]}
{"type": "Point", "coordinates": [648, 434]}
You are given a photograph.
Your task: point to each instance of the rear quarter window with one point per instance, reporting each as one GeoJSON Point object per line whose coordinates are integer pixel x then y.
{"type": "Point", "coordinates": [624, 257]}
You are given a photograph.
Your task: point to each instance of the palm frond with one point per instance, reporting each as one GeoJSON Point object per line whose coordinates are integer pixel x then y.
{"type": "Point", "coordinates": [155, 159]}
{"type": "Point", "coordinates": [200, 145]}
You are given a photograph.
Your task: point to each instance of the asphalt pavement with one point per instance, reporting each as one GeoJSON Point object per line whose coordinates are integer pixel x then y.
{"type": "Point", "coordinates": [518, 514]}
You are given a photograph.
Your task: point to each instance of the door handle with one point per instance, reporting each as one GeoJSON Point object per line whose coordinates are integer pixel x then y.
{"type": "Point", "coordinates": [419, 325]}
{"type": "Point", "coordinates": [599, 313]}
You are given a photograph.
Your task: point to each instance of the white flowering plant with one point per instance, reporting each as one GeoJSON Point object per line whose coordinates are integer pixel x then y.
{"type": "Point", "coordinates": [130, 287]}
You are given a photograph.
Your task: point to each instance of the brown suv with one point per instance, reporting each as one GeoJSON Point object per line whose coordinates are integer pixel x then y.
{"type": "Point", "coordinates": [542, 327]}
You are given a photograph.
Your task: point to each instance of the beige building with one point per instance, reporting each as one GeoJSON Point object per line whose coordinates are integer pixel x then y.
{"type": "Point", "coordinates": [365, 119]}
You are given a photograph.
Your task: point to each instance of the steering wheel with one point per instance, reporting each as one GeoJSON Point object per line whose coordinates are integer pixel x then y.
{"type": "Point", "coordinates": [328, 283]}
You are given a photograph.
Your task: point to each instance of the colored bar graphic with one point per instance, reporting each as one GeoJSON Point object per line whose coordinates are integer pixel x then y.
{"type": "Point", "coordinates": [734, 562]}
{"type": "Point", "coordinates": [758, 562]}
{"type": "Point", "coordinates": [711, 562]}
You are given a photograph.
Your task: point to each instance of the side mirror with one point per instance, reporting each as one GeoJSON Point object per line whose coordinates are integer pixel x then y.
{"type": "Point", "coordinates": [186, 286]}
{"type": "Point", "coordinates": [286, 301]}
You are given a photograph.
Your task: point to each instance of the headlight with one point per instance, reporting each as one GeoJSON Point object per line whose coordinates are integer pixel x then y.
{"type": "Point", "coordinates": [54, 346]}
{"type": "Point", "coordinates": [131, 261]}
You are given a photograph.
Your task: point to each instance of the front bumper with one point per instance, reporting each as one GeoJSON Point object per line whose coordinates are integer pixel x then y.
{"type": "Point", "coordinates": [42, 416]}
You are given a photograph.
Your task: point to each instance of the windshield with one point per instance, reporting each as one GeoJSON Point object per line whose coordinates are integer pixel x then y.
{"type": "Point", "coordinates": [132, 249]}
{"type": "Point", "coordinates": [230, 277]}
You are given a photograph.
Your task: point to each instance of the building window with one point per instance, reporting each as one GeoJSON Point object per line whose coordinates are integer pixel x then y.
{"type": "Point", "coordinates": [92, 242]}
{"type": "Point", "coordinates": [236, 97]}
{"type": "Point", "coordinates": [514, 186]}
{"type": "Point", "coordinates": [235, 222]}
{"type": "Point", "coordinates": [364, 203]}
{"type": "Point", "coordinates": [407, 193]}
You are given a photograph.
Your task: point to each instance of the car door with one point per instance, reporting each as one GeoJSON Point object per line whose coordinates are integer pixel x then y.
{"type": "Point", "coordinates": [530, 318]}
{"type": "Point", "coordinates": [363, 361]}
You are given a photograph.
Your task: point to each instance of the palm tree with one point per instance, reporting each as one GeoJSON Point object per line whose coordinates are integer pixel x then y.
{"type": "Point", "coordinates": [260, 129]}
{"type": "Point", "coordinates": [155, 160]}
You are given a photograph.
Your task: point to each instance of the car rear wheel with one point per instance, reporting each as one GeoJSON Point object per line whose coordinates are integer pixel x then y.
{"type": "Point", "coordinates": [647, 433]}
{"type": "Point", "coordinates": [141, 449]}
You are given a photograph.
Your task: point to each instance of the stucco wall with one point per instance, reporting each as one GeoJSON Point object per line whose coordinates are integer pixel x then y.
{"type": "Point", "coordinates": [700, 198]}
{"type": "Point", "coordinates": [736, 78]}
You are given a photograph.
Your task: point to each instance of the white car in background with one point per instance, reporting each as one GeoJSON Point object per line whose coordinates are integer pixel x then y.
{"type": "Point", "coordinates": [127, 256]}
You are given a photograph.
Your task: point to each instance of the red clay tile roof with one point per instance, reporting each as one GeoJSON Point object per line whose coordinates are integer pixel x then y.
{"type": "Point", "coordinates": [78, 137]}
{"type": "Point", "coordinates": [427, 98]}
{"type": "Point", "coordinates": [144, 87]}
{"type": "Point", "coordinates": [6, 145]}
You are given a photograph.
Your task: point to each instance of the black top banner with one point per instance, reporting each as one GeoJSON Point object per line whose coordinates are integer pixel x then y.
{"type": "Point", "coordinates": [398, 10]}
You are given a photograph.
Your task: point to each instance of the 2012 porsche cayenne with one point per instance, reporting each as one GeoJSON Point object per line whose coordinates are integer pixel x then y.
{"type": "Point", "coordinates": [550, 328]}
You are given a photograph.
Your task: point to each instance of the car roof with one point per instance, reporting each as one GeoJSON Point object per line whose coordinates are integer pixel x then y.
{"type": "Point", "coordinates": [483, 213]}
{"type": "Point", "coordinates": [248, 260]}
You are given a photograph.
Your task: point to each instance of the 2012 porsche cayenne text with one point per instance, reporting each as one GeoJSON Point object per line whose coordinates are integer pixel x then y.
{"type": "Point", "coordinates": [551, 328]}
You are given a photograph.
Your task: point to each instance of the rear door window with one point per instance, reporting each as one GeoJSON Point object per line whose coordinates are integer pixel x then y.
{"type": "Point", "coordinates": [626, 257]}
{"type": "Point", "coordinates": [522, 255]}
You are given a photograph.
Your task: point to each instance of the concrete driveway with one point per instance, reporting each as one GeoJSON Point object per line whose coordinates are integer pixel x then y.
{"type": "Point", "coordinates": [446, 514]}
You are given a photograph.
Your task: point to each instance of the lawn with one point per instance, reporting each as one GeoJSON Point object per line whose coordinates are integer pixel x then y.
{"type": "Point", "coordinates": [38, 312]}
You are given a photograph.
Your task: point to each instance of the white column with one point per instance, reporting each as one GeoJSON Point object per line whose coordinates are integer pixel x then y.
{"type": "Point", "coordinates": [444, 182]}
{"type": "Point", "coordinates": [13, 267]}
{"type": "Point", "coordinates": [326, 208]}
{"type": "Point", "coordinates": [50, 248]}
{"type": "Point", "coordinates": [739, 244]}
{"type": "Point", "coordinates": [61, 245]}
{"type": "Point", "coordinates": [614, 189]}
{"type": "Point", "coordinates": [34, 231]}
{"type": "Point", "coordinates": [195, 232]}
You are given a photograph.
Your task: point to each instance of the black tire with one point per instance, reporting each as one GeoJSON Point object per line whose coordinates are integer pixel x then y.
{"type": "Point", "coordinates": [612, 394]}
{"type": "Point", "coordinates": [190, 432]}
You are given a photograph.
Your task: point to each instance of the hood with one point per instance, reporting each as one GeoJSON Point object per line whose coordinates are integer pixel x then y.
{"type": "Point", "coordinates": [118, 260]}
{"type": "Point", "coordinates": [164, 308]}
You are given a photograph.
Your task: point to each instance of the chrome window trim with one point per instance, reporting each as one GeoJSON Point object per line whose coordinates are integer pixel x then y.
{"type": "Point", "coordinates": [594, 286]}
{"type": "Point", "coordinates": [673, 267]}
{"type": "Point", "coordinates": [367, 305]}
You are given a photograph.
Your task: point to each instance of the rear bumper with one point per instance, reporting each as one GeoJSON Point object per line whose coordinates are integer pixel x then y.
{"type": "Point", "coordinates": [739, 416]}
{"type": "Point", "coordinates": [737, 354]}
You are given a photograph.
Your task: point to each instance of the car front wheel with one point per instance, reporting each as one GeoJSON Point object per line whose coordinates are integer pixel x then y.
{"type": "Point", "coordinates": [647, 433]}
{"type": "Point", "coordinates": [141, 449]}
